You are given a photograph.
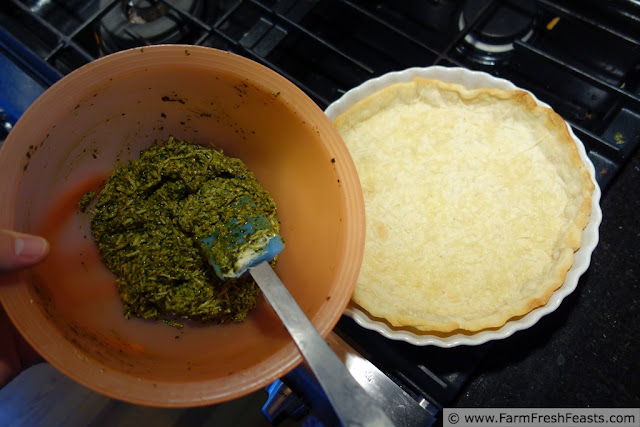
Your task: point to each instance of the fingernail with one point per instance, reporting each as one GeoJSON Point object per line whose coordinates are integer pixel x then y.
{"type": "Point", "coordinates": [30, 247]}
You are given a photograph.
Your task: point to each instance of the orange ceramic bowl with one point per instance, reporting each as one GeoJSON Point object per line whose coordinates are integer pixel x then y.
{"type": "Point", "coordinates": [69, 141]}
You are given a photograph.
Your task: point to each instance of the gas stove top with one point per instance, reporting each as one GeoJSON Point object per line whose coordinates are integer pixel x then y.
{"type": "Point", "coordinates": [579, 56]}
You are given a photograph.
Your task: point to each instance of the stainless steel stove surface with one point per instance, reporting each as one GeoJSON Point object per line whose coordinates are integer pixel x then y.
{"type": "Point", "coordinates": [580, 56]}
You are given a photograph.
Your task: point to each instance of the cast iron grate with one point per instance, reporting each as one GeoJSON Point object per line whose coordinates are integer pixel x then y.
{"type": "Point", "coordinates": [581, 57]}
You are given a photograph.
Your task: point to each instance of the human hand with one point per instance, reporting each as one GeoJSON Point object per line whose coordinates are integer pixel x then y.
{"type": "Point", "coordinates": [17, 251]}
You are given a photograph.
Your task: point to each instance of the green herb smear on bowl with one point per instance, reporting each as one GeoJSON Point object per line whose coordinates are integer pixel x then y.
{"type": "Point", "coordinates": [149, 222]}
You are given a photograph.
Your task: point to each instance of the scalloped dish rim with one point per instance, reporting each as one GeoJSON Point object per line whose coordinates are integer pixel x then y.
{"type": "Point", "coordinates": [582, 257]}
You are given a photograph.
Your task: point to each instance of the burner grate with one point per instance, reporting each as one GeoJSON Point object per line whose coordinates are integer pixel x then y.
{"type": "Point", "coordinates": [581, 57]}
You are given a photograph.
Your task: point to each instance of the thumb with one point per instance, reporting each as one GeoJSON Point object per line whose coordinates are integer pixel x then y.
{"type": "Point", "coordinates": [18, 250]}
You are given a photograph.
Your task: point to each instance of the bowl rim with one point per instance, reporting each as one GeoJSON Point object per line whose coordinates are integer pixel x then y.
{"type": "Point", "coordinates": [14, 293]}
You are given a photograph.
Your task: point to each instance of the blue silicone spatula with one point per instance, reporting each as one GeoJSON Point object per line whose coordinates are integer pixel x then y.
{"type": "Point", "coordinates": [256, 243]}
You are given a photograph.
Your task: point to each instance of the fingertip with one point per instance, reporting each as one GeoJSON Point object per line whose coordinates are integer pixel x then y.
{"type": "Point", "coordinates": [19, 250]}
{"type": "Point", "coordinates": [30, 247]}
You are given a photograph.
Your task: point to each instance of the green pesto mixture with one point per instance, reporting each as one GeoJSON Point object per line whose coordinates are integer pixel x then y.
{"type": "Point", "coordinates": [86, 200]}
{"type": "Point", "coordinates": [149, 222]}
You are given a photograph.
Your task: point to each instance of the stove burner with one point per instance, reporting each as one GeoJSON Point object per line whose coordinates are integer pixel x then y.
{"type": "Point", "coordinates": [135, 23]}
{"type": "Point", "coordinates": [492, 39]}
{"type": "Point", "coordinates": [144, 13]}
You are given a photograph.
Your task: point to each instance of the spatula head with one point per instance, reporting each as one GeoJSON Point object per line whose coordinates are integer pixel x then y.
{"type": "Point", "coordinates": [240, 244]}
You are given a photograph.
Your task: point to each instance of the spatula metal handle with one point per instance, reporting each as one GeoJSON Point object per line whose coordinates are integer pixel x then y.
{"type": "Point", "coordinates": [353, 406]}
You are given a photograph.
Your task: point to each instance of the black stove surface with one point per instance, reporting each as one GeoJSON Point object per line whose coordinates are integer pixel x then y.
{"type": "Point", "coordinates": [580, 56]}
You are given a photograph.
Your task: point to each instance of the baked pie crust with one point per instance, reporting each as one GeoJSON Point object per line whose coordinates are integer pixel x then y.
{"type": "Point", "coordinates": [475, 203]}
